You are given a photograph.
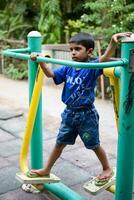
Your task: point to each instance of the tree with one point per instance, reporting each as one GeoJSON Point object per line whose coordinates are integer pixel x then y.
{"type": "Point", "coordinates": [50, 21]}
{"type": "Point", "coordinates": [16, 18]}
{"type": "Point", "coordinates": [105, 17]}
{"type": "Point", "coordinates": [58, 19]}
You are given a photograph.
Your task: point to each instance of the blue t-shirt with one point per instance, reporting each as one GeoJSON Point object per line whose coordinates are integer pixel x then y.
{"type": "Point", "coordinates": [79, 84]}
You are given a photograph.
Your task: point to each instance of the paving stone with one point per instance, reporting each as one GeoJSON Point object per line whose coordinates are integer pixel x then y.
{"type": "Point", "coordinates": [8, 181]}
{"type": "Point", "coordinates": [14, 160]}
{"type": "Point", "coordinates": [95, 168]}
{"type": "Point", "coordinates": [110, 147]}
{"type": "Point", "coordinates": [69, 173]}
{"type": "Point", "coordinates": [81, 157]}
{"type": "Point", "coordinates": [14, 125]}
{"type": "Point", "coordinates": [21, 195]}
{"type": "Point", "coordinates": [8, 114]}
{"type": "Point", "coordinates": [112, 161]}
{"type": "Point", "coordinates": [1, 122]}
{"type": "Point", "coordinates": [80, 190]}
{"type": "Point", "coordinates": [10, 148]}
{"type": "Point", "coordinates": [47, 134]}
{"type": "Point", "coordinates": [104, 196]}
{"type": "Point", "coordinates": [50, 122]}
{"type": "Point", "coordinates": [101, 196]}
{"type": "Point", "coordinates": [4, 162]}
{"type": "Point", "coordinates": [49, 144]}
{"type": "Point", "coordinates": [4, 136]}
{"type": "Point", "coordinates": [19, 134]}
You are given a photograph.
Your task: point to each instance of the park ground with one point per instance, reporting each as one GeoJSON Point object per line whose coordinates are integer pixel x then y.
{"type": "Point", "coordinates": [76, 165]}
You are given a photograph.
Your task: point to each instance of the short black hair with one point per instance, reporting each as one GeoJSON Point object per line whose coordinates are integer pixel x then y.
{"type": "Point", "coordinates": [84, 39]}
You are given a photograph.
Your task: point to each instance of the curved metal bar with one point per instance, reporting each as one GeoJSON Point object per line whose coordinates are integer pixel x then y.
{"type": "Point", "coordinates": [75, 64]}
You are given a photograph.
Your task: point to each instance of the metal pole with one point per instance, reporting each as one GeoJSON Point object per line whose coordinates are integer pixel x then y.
{"type": "Point", "coordinates": [125, 154]}
{"type": "Point", "coordinates": [34, 45]}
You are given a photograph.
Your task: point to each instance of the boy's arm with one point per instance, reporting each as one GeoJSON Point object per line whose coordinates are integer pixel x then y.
{"type": "Point", "coordinates": [112, 46]}
{"type": "Point", "coordinates": [47, 70]}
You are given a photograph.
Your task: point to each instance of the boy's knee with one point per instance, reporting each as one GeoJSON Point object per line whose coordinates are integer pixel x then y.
{"type": "Point", "coordinates": [60, 146]}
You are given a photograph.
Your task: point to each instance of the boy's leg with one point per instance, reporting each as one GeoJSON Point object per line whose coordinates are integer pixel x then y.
{"type": "Point", "coordinates": [55, 154]}
{"type": "Point", "coordinates": [106, 173]}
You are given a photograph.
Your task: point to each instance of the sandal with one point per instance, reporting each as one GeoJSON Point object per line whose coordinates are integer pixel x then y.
{"type": "Point", "coordinates": [101, 182]}
{"type": "Point", "coordinates": [35, 174]}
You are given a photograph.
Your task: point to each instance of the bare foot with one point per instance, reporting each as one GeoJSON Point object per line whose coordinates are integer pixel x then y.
{"type": "Point", "coordinates": [41, 172]}
{"type": "Point", "coordinates": [106, 174]}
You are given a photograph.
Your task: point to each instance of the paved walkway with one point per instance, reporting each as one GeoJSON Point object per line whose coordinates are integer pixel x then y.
{"type": "Point", "coordinates": [76, 165]}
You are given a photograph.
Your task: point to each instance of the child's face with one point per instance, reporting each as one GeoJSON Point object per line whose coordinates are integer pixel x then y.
{"type": "Point", "coordinates": [79, 52]}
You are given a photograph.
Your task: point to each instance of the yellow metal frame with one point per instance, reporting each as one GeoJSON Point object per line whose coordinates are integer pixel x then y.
{"type": "Point", "coordinates": [114, 82]}
{"type": "Point", "coordinates": [30, 121]}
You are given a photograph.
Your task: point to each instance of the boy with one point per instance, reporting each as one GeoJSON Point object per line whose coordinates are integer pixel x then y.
{"type": "Point", "coordinates": [80, 116]}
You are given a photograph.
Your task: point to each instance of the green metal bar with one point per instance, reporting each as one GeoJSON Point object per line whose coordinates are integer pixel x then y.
{"type": "Point", "coordinates": [22, 50]}
{"type": "Point", "coordinates": [34, 44]}
{"type": "Point", "coordinates": [125, 154]}
{"type": "Point", "coordinates": [75, 64]}
{"type": "Point", "coordinates": [63, 192]}
{"type": "Point", "coordinates": [16, 55]}
{"type": "Point", "coordinates": [83, 64]}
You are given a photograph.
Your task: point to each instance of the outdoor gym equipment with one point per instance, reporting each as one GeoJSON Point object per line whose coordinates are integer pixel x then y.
{"type": "Point", "coordinates": [125, 154]}
{"type": "Point", "coordinates": [28, 134]}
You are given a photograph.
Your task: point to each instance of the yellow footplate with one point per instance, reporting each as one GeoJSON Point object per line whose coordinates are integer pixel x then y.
{"type": "Point", "coordinates": [38, 180]}
{"type": "Point", "coordinates": [94, 189]}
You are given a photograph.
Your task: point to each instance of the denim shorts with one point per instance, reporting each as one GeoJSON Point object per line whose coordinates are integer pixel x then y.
{"type": "Point", "coordinates": [83, 123]}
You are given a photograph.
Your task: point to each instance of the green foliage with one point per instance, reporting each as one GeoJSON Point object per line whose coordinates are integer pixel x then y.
{"type": "Point", "coordinates": [50, 21]}
{"type": "Point", "coordinates": [13, 68]}
{"type": "Point", "coordinates": [11, 18]}
{"type": "Point", "coordinates": [103, 18]}
{"type": "Point", "coordinates": [16, 73]}
{"type": "Point", "coordinates": [55, 18]}
{"type": "Point", "coordinates": [106, 17]}
{"type": "Point", "coordinates": [73, 27]}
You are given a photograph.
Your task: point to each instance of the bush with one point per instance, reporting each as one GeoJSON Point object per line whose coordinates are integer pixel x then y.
{"type": "Point", "coordinates": [16, 73]}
